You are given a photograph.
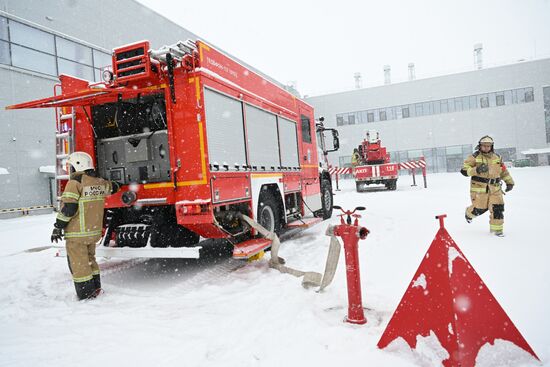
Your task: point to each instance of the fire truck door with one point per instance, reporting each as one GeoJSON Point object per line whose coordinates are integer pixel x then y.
{"type": "Point", "coordinates": [309, 161]}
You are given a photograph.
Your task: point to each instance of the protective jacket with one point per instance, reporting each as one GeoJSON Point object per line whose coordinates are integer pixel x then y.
{"type": "Point", "coordinates": [83, 202]}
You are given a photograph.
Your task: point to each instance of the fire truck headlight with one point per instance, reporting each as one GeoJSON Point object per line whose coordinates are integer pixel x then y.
{"type": "Point", "coordinates": [107, 76]}
{"type": "Point", "coordinates": [128, 197]}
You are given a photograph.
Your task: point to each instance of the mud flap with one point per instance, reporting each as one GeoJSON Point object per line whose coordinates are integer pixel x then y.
{"type": "Point", "coordinates": [310, 278]}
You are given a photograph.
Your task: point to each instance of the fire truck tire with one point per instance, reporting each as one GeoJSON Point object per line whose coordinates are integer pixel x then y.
{"type": "Point", "coordinates": [359, 186]}
{"type": "Point", "coordinates": [326, 200]}
{"type": "Point", "coordinates": [269, 214]}
{"type": "Point", "coordinates": [391, 185]}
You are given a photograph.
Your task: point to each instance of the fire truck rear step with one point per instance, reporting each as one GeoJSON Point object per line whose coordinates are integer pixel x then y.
{"type": "Point", "coordinates": [304, 222]}
{"type": "Point", "coordinates": [247, 249]}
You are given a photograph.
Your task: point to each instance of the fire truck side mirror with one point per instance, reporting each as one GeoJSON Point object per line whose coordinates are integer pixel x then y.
{"type": "Point", "coordinates": [337, 207]}
{"type": "Point", "coordinates": [360, 208]}
{"type": "Point", "coordinates": [335, 140]}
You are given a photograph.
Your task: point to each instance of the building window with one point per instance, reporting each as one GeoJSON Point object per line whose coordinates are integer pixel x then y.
{"type": "Point", "coordinates": [31, 37]}
{"type": "Point", "coordinates": [444, 106]}
{"type": "Point", "coordinates": [437, 107]}
{"type": "Point", "coordinates": [370, 116]}
{"type": "Point", "coordinates": [451, 102]}
{"type": "Point", "coordinates": [473, 102]}
{"type": "Point", "coordinates": [390, 113]}
{"type": "Point", "coordinates": [351, 119]}
{"type": "Point", "coordinates": [465, 103]}
{"type": "Point", "coordinates": [101, 59]}
{"type": "Point", "coordinates": [484, 102]}
{"type": "Point", "coordinates": [75, 69]}
{"type": "Point", "coordinates": [521, 95]}
{"type": "Point", "coordinates": [73, 51]}
{"type": "Point", "coordinates": [306, 129]}
{"type": "Point", "coordinates": [507, 97]}
{"type": "Point", "coordinates": [418, 109]}
{"type": "Point", "coordinates": [458, 104]}
{"type": "Point", "coordinates": [3, 29]}
{"type": "Point", "coordinates": [383, 116]}
{"type": "Point", "coordinates": [405, 112]}
{"type": "Point", "coordinates": [339, 120]}
{"type": "Point", "coordinates": [426, 107]}
{"type": "Point", "coordinates": [500, 99]}
{"type": "Point", "coordinates": [4, 52]}
{"type": "Point", "coordinates": [364, 117]}
{"type": "Point", "coordinates": [26, 58]}
{"type": "Point", "coordinates": [529, 95]}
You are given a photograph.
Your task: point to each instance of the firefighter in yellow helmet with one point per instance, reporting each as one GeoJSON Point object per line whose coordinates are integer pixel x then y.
{"type": "Point", "coordinates": [355, 158]}
{"type": "Point", "coordinates": [487, 171]}
{"type": "Point", "coordinates": [80, 220]}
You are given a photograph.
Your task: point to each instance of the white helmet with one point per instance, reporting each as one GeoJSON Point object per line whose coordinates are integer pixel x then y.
{"type": "Point", "coordinates": [80, 161]}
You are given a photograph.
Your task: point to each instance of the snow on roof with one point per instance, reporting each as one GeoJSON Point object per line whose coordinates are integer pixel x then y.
{"type": "Point", "coordinates": [47, 169]}
{"type": "Point", "coordinates": [536, 151]}
{"type": "Point", "coordinates": [4, 171]}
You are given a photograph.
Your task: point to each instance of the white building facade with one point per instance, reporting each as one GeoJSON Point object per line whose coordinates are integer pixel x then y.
{"type": "Point", "coordinates": [442, 118]}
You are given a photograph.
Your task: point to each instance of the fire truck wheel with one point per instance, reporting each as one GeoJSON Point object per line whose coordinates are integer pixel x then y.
{"type": "Point", "coordinates": [268, 213]}
{"type": "Point", "coordinates": [359, 186]}
{"type": "Point", "coordinates": [326, 200]}
{"type": "Point", "coordinates": [391, 185]}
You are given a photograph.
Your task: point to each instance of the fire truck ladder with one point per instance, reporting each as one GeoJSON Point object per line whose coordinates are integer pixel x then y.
{"type": "Point", "coordinates": [64, 142]}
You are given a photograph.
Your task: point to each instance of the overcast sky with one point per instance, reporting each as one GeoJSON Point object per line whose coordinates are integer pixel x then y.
{"type": "Point", "coordinates": [321, 44]}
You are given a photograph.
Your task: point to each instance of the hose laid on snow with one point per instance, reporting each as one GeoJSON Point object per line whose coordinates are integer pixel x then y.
{"type": "Point", "coordinates": [311, 279]}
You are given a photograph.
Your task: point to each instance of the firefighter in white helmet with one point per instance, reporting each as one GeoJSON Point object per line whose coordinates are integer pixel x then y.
{"type": "Point", "coordinates": [487, 171]}
{"type": "Point", "coordinates": [80, 220]}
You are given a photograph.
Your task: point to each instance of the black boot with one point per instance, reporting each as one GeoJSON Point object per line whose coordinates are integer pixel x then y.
{"type": "Point", "coordinates": [85, 290]}
{"type": "Point", "coordinates": [97, 281]}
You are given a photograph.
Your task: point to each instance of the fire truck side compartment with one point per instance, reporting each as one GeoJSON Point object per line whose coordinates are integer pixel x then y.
{"type": "Point", "coordinates": [225, 131]}
{"type": "Point", "coordinates": [135, 158]}
{"type": "Point", "coordinates": [132, 143]}
{"type": "Point", "coordinates": [263, 145]}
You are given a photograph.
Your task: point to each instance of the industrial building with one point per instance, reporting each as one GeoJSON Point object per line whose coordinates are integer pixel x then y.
{"type": "Point", "coordinates": [442, 118]}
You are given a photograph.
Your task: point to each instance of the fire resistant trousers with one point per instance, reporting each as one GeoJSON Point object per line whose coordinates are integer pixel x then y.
{"type": "Point", "coordinates": [492, 201]}
{"type": "Point", "coordinates": [83, 266]}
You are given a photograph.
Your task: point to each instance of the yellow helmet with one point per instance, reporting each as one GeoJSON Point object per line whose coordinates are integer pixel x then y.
{"type": "Point", "coordinates": [486, 139]}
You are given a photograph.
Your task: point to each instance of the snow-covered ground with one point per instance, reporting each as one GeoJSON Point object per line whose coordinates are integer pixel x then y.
{"type": "Point", "coordinates": [215, 312]}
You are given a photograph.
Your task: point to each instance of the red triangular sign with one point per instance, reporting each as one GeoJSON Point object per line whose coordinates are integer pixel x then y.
{"type": "Point", "coordinates": [447, 297]}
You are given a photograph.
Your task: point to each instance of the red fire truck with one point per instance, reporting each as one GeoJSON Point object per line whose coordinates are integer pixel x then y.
{"type": "Point", "coordinates": [196, 139]}
{"type": "Point", "coordinates": [374, 166]}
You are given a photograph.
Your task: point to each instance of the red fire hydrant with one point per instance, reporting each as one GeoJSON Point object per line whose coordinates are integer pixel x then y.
{"type": "Point", "coordinates": [351, 234]}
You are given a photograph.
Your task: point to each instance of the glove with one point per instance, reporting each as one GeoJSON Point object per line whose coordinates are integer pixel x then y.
{"type": "Point", "coordinates": [57, 234]}
{"type": "Point", "coordinates": [509, 187]}
{"type": "Point", "coordinates": [482, 168]}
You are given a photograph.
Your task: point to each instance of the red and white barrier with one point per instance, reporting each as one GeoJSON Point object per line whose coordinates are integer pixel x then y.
{"type": "Point", "coordinates": [421, 163]}
{"type": "Point", "coordinates": [412, 166]}
{"type": "Point", "coordinates": [339, 170]}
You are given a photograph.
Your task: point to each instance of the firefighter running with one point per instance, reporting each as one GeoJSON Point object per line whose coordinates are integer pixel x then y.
{"type": "Point", "coordinates": [487, 171]}
{"type": "Point", "coordinates": [80, 220]}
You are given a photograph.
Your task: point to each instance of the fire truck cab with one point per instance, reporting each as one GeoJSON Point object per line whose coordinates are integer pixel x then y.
{"type": "Point", "coordinates": [195, 138]}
